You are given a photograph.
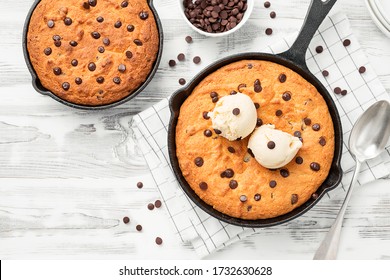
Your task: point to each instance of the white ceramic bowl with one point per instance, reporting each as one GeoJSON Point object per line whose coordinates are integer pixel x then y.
{"type": "Point", "coordinates": [379, 15]}
{"type": "Point", "coordinates": [246, 16]}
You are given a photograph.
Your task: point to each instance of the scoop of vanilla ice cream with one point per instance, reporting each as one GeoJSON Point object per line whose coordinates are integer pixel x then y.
{"type": "Point", "coordinates": [273, 148]}
{"type": "Point", "coordinates": [235, 116]}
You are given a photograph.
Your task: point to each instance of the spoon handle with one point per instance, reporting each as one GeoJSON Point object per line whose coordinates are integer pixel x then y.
{"type": "Point", "coordinates": [329, 246]}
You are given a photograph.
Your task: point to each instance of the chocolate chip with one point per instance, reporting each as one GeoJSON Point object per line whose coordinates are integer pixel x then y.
{"type": "Point", "coordinates": [307, 121]}
{"type": "Point", "coordinates": [217, 131]}
{"type": "Point", "coordinates": [157, 203]}
{"type": "Point", "coordinates": [233, 92]}
{"type": "Point", "coordinates": [236, 111]}
{"type": "Point", "coordinates": [66, 86]}
{"type": "Point", "coordinates": [138, 227]}
{"type": "Point", "coordinates": [257, 105]}
{"type": "Point", "coordinates": [319, 49]}
{"type": "Point", "coordinates": [99, 19]}
{"type": "Point", "coordinates": [78, 81]}
{"type": "Point", "coordinates": [272, 14]}
{"type": "Point", "coordinates": [126, 220]}
{"type": "Point", "coordinates": [95, 35]}
{"type": "Point", "coordinates": [101, 49]}
{"type": "Point", "coordinates": [229, 173]}
{"type": "Point", "coordinates": [297, 133]}
{"type": "Point", "coordinates": [325, 73]}
{"type": "Point", "coordinates": [268, 31]}
{"type": "Point", "coordinates": [272, 184]}
{"type": "Point", "coordinates": [286, 96]}
{"type": "Point", "coordinates": [284, 173]}
{"type": "Point", "coordinates": [100, 79]}
{"type": "Point", "coordinates": [213, 94]}
{"type": "Point", "coordinates": [271, 145]}
{"type": "Point", "coordinates": [68, 21]}
{"type": "Point", "coordinates": [116, 80]}
{"type": "Point", "coordinates": [257, 86]}
{"type": "Point", "coordinates": [250, 65]}
{"type": "Point", "coordinates": [257, 197]}
{"type": "Point", "coordinates": [118, 24]}
{"type": "Point", "coordinates": [189, 39]}
{"type": "Point", "coordinates": [299, 160]}
{"type": "Point", "coordinates": [203, 186]}
{"type": "Point", "coordinates": [56, 37]}
{"type": "Point", "coordinates": [205, 115]}
{"type": "Point", "coordinates": [278, 113]}
{"type": "Point", "coordinates": [240, 86]}
{"type": "Point", "coordinates": [172, 63]}
{"type": "Point", "coordinates": [181, 57]}
{"type": "Point", "coordinates": [122, 68]}
{"type": "Point", "coordinates": [73, 43]}
{"type": "Point", "coordinates": [344, 92]}
{"type": "Point", "coordinates": [231, 149]}
{"type": "Point", "coordinates": [159, 240]}
{"type": "Point", "coordinates": [315, 166]}
{"type": "Point", "coordinates": [47, 51]}
{"type": "Point", "coordinates": [182, 81]}
{"type": "Point", "coordinates": [150, 206]}
{"type": "Point", "coordinates": [199, 161]}
{"type": "Point", "coordinates": [143, 15]}
{"type": "Point", "coordinates": [259, 122]}
{"type": "Point", "coordinates": [138, 42]}
{"type": "Point", "coordinates": [322, 141]}
{"type": "Point", "coordinates": [294, 198]}
{"type": "Point", "coordinates": [314, 196]}
{"type": "Point", "coordinates": [140, 185]}
{"type": "Point", "coordinates": [57, 44]}
{"type": "Point", "coordinates": [86, 5]}
{"type": "Point", "coordinates": [91, 66]}
{"type": "Point", "coordinates": [129, 54]}
{"type": "Point", "coordinates": [233, 184]}
{"type": "Point", "coordinates": [50, 24]}
{"type": "Point", "coordinates": [316, 127]}
{"type": "Point", "coordinates": [346, 42]}
{"type": "Point", "coordinates": [124, 4]}
{"type": "Point", "coordinates": [337, 90]}
{"type": "Point", "coordinates": [196, 59]}
{"type": "Point", "coordinates": [362, 69]}
{"type": "Point", "coordinates": [243, 198]}
{"type": "Point", "coordinates": [92, 2]}
{"type": "Point", "coordinates": [282, 78]}
{"type": "Point", "coordinates": [267, 4]}
{"type": "Point", "coordinates": [57, 71]}
{"type": "Point", "coordinates": [207, 133]}
{"type": "Point", "coordinates": [251, 153]}
{"type": "Point", "coordinates": [106, 41]}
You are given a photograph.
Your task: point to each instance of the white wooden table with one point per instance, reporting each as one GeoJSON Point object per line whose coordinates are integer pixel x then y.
{"type": "Point", "coordinates": [67, 177]}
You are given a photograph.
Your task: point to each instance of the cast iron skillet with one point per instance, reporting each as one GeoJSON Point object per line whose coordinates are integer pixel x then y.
{"type": "Point", "coordinates": [294, 59]}
{"type": "Point", "coordinates": [41, 89]}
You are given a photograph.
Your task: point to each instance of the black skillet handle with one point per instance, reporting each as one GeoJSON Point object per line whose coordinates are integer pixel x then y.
{"type": "Point", "coordinates": [318, 10]}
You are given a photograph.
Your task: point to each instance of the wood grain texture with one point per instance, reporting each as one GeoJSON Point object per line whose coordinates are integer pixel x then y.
{"type": "Point", "coordinates": [67, 177]}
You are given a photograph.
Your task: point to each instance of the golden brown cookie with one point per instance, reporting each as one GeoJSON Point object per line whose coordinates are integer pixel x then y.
{"type": "Point", "coordinates": [92, 52]}
{"type": "Point", "coordinates": [223, 173]}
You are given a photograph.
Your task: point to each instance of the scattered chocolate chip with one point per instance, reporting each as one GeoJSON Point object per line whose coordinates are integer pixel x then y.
{"type": "Point", "coordinates": [322, 141]}
{"type": "Point", "coordinates": [68, 21]}
{"type": "Point", "coordinates": [257, 105]}
{"type": "Point", "coordinates": [95, 35]}
{"type": "Point", "coordinates": [268, 31]}
{"type": "Point", "coordinates": [240, 86]}
{"type": "Point", "coordinates": [56, 37]}
{"type": "Point", "coordinates": [250, 65]}
{"type": "Point", "coordinates": [278, 113]}
{"type": "Point", "coordinates": [346, 42]}
{"type": "Point", "coordinates": [267, 4]}
{"type": "Point", "coordinates": [307, 121]}
{"type": "Point", "coordinates": [86, 5]}
{"type": "Point", "coordinates": [249, 208]}
{"type": "Point", "coordinates": [106, 41]}
{"type": "Point", "coordinates": [57, 43]}
{"type": "Point", "coordinates": [231, 149]}
{"type": "Point", "coordinates": [138, 42]}
{"type": "Point", "coordinates": [229, 173]}
{"type": "Point", "coordinates": [284, 173]}
{"type": "Point", "coordinates": [100, 79]}
{"type": "Point", "coordinates": [316, 127]}
{"type": "Point", "coordinates": [138, 227]}
{"type": "Point", "coordinates": [117, 80]}
{"type": "Point", "coordinates": [159, 240]}
{"type": "Point", "coordinates": [100, 19]}
{"type": "Point", "coordinates": [207, 133]}
{"type": "Point", "coordinates": [182, 81]}
{"type": "Point", "coordinates": [57, 71]}
{"type": "Point", "coordinates": [203, 186]}
{"type": "Point", "coordinates": [314, 196]}
{"type": "Point", "coordinates": [315, 166]}
{"type": "Point", "coordinates": [337, 90]}
{"type": "Point", "coordinates": [140, 185]}
{"type": "Point", "coordinates": [92, 2]}
{"type": "Point", "coordinates": [243, 198]}
{"type": "Point", "coordinates": [298, 160]}
{"type": "Point", "coordinates": [143, 15]}
{"type": "Point", "coordinates": [272, 184]}
{"type": "Point", "coordinates": [124, 4]}
{"type": "Point", "coordinates": [126, 220]}
{"type": "Point", "coordinates": [217, 131]}
{"type": "Point", "coordinates": [189, 39]}
{"type": "Point", "coordinates": [157, 203]}
{"type": "Point", "coordinates": [122, 68]}
{"type": "Point", "coordinates": [172, 63]}
{"type": "Point", "coordinates": [181, 57]}
{"type": "Point", "coordinates": [344, 92]}
{"type": "Point", "coordinates": [272, 14]}
{"type": "Point", "coordinates": [196, 59]}
{"type": "Point", "coordinates": [286, 96]}
{"type": "Point", "coordinates": [259, 122]}
{"type": "Point", "coordinates": [91, 66]}
{"type": "Point", "coordinates": [257, 86]}
{"type": "Point", "coordinates": [319, 49]}
{"type": "Point", "coordinates": [150, 206]}
{"type": "Point", "coordinates": [199, 161]}
{"type": "Point", "coordinates": [78, 81]}
{"type": "Point", "coordinates": [282, 78]}
{"type": "Point", "coordinates": [47, 51]}
{"type": "Point", "coordinates": [101, 49]}
{"type": "Point", "coordinates": [129, 54]}
{"type": "Point", "coordinates": [233, 92]}
{"type": "Point", "coordinates": [66, 86]}
{"type": "Point", "coordinates": [294, 198]}
{"type": "Point", "coordinates": [130, 28]}
{"type": "Point", "coordinates": [236, 111]}
{"type": "Point", "coordinates": [271, 145]}
{"type": "Point", "coordinates": [118, 24]}
{"type": "Point", "coordinates": [73, 43]}
{"type": "Point", "coordinates": [50, 23]}
{"type": "Point", "coordinates": [362, 69]}
{"type": "Point", "coordinates": [233, 184]}
{"type": "Point", "coordinates": [205, 115]}
{"type": "Point", "coordinates": [297, 133]}
{"type": "Point", "coordinates": [325, 73]}
{"type": "Point", "coordinates": [257, 197]}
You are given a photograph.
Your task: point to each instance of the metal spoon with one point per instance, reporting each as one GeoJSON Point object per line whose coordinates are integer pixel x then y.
{"type": "Point", "coordinates": [367, 140]}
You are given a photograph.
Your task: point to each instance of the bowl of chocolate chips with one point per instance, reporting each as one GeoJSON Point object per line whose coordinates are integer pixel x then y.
{"type": "Point", "coordinates": [216, 18]}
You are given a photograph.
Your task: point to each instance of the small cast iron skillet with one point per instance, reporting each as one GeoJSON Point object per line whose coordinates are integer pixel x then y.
{"type": "Point", "coordinates": [41, 89]}
{"type": "Point", "coordinates": [294, 59]}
